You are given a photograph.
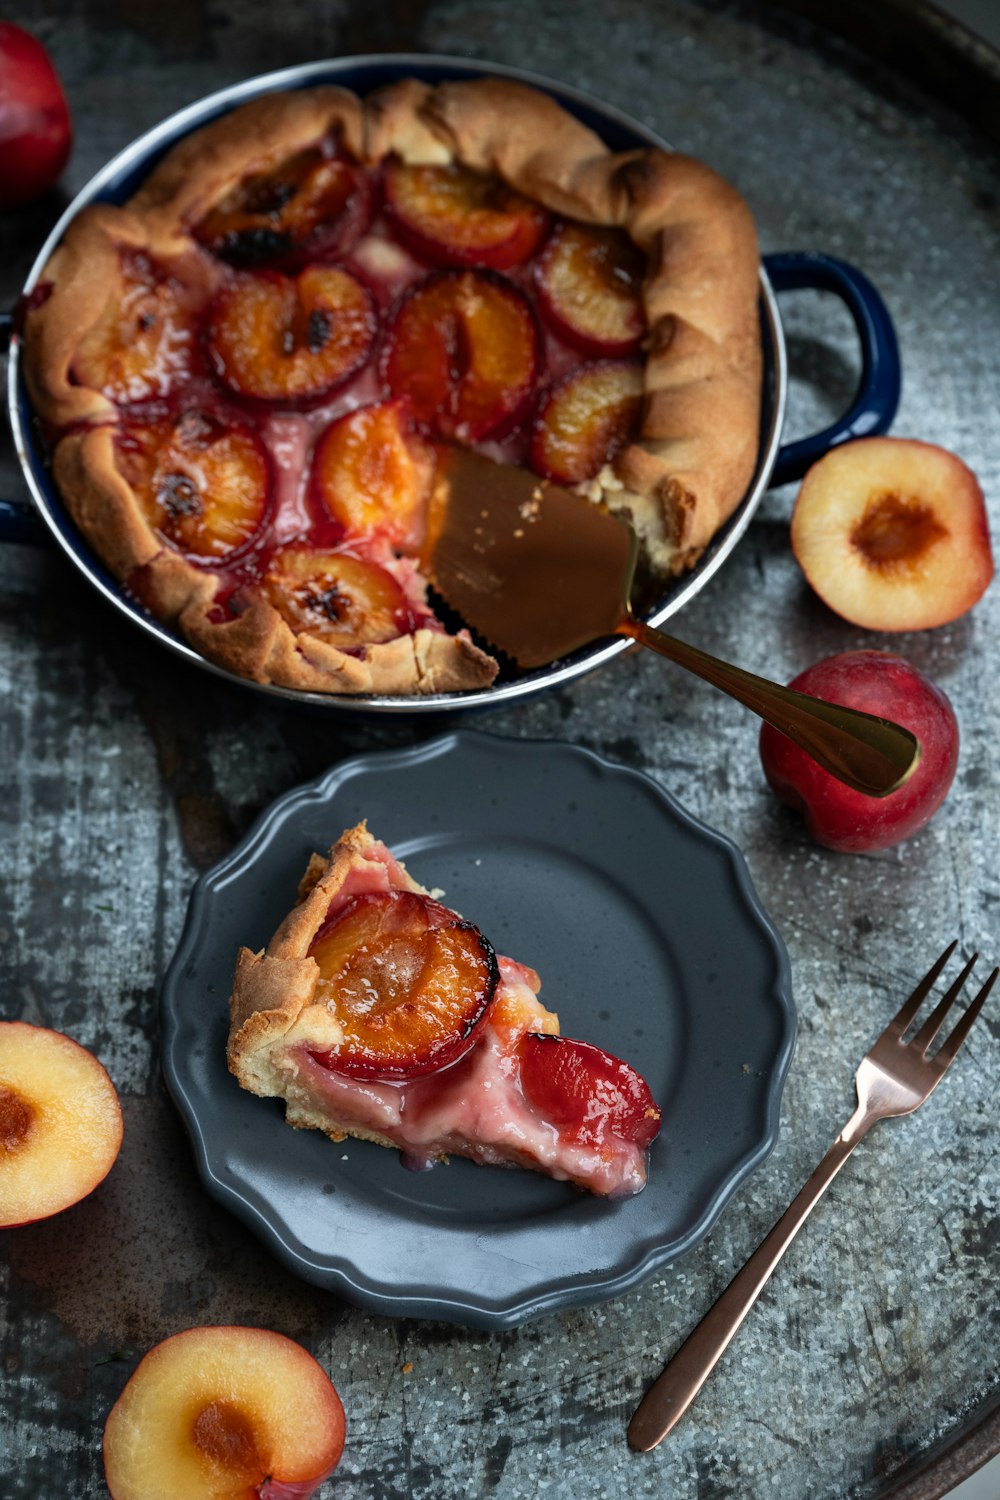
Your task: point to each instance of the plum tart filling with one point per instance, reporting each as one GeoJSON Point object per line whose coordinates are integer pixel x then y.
{"type": "Point", "coordinates": [477, 1108]}
{"type": "Point", "coordinates": [352, 281]}
{"type": "Point", "coordinates": [273, 328]}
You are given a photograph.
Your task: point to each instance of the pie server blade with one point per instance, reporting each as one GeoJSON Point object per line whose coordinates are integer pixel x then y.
{"type": "Point", "coordinates": [535, 569]}
{"type": "Point", "coordinates": [539, 572]}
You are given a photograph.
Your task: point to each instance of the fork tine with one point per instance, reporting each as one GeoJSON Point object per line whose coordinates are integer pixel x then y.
{"type": "Point", "coordinates": [935, 1020]}
{"type": "Point", "coordinates": [963, 1026]}
{"type": "Point", "coordinates": [899, 1022]}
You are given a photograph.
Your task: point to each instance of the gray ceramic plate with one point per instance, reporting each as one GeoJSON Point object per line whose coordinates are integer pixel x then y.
{"type": "Point", "coordinates": [650, 941]}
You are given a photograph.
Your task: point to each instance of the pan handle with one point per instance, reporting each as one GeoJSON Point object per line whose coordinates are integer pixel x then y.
{"type": "Point", "coordinates": [19, 522]}
{"type": "Point", "coordinates": [22, 523]}
{"type": "Point", "coordinates": [877, 397]}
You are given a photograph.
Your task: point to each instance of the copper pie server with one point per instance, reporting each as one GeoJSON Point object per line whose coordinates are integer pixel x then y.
{"type": "Point", "coordinates": [539, 572]}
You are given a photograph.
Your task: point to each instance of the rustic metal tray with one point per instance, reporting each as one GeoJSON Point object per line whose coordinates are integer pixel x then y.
{"type": "Point", "coordinates": [872, 1365]}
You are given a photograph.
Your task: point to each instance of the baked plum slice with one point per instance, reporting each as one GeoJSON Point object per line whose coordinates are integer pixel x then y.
{"type": "Point", "coordinates": [311, 206]}
{"type": "Point", "coordinates": [585, 419]}
{"type": "Point", "coordinates": [202, 482]}
{"type": "Point", "coordinates": [587, 1094]}
{"type": "Point", "coordinates": [290, 340]}
{"type": "Point", "coordinates": [335, 596]}
{"type": "Point", "coordinates": [145, 340]}
{"type": "Point", "coordinates": [464, 346]}
{"type": "Point", "coordinates": [408, 980]}
{"type": "Point", "coordinates": [453, 216]}
{"type": "Point", "coordinates": [372, 474]}
{"type": "Point", "coordinates": [589, 284]}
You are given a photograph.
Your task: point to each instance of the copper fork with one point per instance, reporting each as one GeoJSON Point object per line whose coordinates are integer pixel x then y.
{"type": "Point", "coordinates": [894, 1079]}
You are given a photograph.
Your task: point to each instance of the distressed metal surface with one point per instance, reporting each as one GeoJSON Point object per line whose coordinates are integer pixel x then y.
{"type": "Point", "coordinates": [124, 773]}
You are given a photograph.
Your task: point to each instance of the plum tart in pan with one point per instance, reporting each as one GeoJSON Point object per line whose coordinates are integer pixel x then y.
{"type": "Point", "coordinates": [244, 373]}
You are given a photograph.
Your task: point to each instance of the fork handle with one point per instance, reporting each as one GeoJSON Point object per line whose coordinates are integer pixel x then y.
{"type": "Point", "coordinates": [669, 1398]}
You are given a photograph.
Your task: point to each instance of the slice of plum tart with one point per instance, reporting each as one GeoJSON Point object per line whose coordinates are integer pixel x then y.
{"type": "Point", "coordinates": [244, 375]}
{"type": "Point", "coordinates": [378, 1012]}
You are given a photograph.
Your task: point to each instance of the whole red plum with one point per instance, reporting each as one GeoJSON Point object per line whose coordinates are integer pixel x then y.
{"type": "Point", "coordinates": [35, 130]}
{"type": "Point", "coordinates": [839, 817]}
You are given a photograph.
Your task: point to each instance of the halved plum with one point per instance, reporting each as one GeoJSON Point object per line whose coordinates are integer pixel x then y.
{"type": "Point", "coordinates": [463, 345]}
{"type": "Point", "coordinates": [454, 216]}
{"type": "Point", "coordinates": [60, 1122]}
{"type": "Point", "coordinates": [308, 207]}
{"type": "Point", "coordinates": [202, 482]}
{"type": "Point", "coordinates": [290, 340]}
{"type": "Point", "coordinates": [590, 284]}
{"type": "Point", "coordinates": [586, 1093]}
{"type": "Point", "coordinates": [893, 534]}
{"type": "Point", "coordinates": [408, 980]}
{"type": "Point", "coordinates": [335, 596]}
{"type": "Point", "coordinates": [372, 473]}
{"type": "Point", "coordinates": [144, 341]}
{"type": "Point", "coordinates": [585, 419]}
{"type": "Point", "coordinates": [224, 1413]}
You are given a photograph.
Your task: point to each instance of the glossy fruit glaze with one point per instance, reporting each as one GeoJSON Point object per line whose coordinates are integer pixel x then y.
{"type": "Point", "coordinates": [408, 981]}
{"type": "Point", "coordinates": [328, 325]}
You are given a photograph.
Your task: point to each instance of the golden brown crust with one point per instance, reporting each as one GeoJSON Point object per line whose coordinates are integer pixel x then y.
{"type": "Point", "coordinates": [396, 120]}
{"type": "Point", "coordinates": [83, 274]}
{"type": "Point", "coordinates": [272, 1002]}
{"type": "Point", "coordinates": [273, 990]}
{"type": "Point", "coordinates": [493, 125]}
{"type": "Point", "coordinates": [354, 847]}
{"type": "Point", "coordinates": [269, 994]}
{"type": "Point", "coordinates": [101, 502]}
{"type": "Point", "coordinates": [204, 167]}
{"type": "Point", "coordinates": [257, 644]}
{"type": "Point", "coordinates": [679, 481]}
